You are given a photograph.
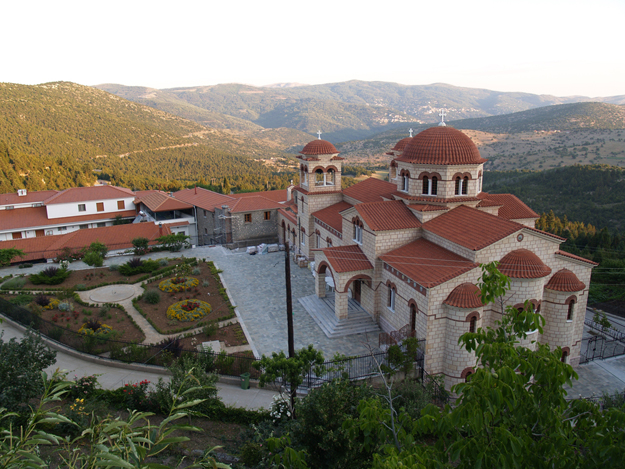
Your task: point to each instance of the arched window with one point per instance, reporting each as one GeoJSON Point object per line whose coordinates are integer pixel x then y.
{"type": "Point", "coordinates": [426, 185]}
{"type": "Point", "coordinates": [392, 171]}
{"type": "Point", "coordinates": [468, 375]}
{"type": "Point", "coordinates": [473, 324]}
{"type": "Point", "coordinates": [405, 182]}
{"type": "Point", "coordinates": [465, 185]}
{"type": "Point", "coordinates": [358, 231]}
{"type": "Point", "coordinates": [303, 235]}
{"type": "Point", "coordinates": [392, 293]}
{"type": "Point", "coordinates": [565, 355]}
{"type": "Point", "coordinates": [458, 185]}
{"type": "Point", "coordinates": [329, 241]}
{"type": "Point", "coordinates": [318, 240]}
{"type": "Point", "coordinates": [330, 177]}
{"type": "Point", "coordinates": [319, 177]}
{"type": "Point", "coordinates": [305, 178]}
{"type": "Point", "coordinates": [569, 316]}
{"type": "Point", "coordinates": [434, 190]}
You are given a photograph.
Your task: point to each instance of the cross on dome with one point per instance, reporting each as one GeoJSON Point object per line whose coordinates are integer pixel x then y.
{"type": "Point", "coordinates": [411, 132]}
{"type": "Point", "coordinates": [442, 114]}
{"type": "Point", "coordinates": [319, 133]}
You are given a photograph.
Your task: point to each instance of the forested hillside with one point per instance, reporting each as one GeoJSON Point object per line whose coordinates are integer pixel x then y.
{"type": "Point", "coordinates": [58, 135]}
{"type": "Point", "coordinates": [592, 194]}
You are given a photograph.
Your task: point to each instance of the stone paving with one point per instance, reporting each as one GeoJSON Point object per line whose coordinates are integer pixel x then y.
{"type": "Point", "coordinates": [257, 286]}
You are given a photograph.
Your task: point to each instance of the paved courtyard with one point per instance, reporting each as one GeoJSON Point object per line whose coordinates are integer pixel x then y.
{"type": "Point", "coordinates": [256, 284]}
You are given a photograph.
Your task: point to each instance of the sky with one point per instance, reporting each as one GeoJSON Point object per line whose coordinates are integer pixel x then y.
{"type": "Point", "coordinates": [555, 47]}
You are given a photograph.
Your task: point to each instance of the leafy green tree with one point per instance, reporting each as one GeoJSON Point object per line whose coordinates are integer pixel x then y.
{"type": "Point", "coordinates": [141, 245]}
{"type": "Point", "coordinates": [288, 371]}
{"type": "Point", "coordinates": [174, 242]}
{"type": "Point", "coordinates": [7, 255]}
{"type": "Point", "coordinates": [21, 364]}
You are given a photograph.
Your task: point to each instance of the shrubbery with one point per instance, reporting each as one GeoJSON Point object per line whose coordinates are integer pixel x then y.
{"type": "Point", "coordinates": [93, 259]}
{"type": "Point", "coordinates": [14, 284]}
{"type": "Point", "coordinates": [50, 276]}
{"type": "Point", "coordinates": [138, 266]}
{"type": "Point", "coordinates": [152, 297]}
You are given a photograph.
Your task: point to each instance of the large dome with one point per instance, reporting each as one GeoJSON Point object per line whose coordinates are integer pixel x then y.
{"type": "Point", "coordinates": [565, 281]}
{"type": "Point", "coordinates": [441, 146]}
{"type": "Point", "coordinates": [319, 147]}
{"type": "Point", "coordinates": [523, 264]}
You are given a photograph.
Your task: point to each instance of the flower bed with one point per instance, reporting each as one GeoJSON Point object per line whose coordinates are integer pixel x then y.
{"type": "Point", "coordinates": [188, 310]}
{"type": "Point", "coordinates": [101, 331]}
{"type": "Point", "coordinates": [178, 284]}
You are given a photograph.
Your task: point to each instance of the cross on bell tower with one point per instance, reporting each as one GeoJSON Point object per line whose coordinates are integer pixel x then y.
{"type": "Point", "coordinates": [410, 131]}
{"type": "Point", "coordinates": [442, 114]}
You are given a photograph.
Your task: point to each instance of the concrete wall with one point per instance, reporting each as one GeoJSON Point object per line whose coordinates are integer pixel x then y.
{"type": "Point", "coordinates": [71, 210]}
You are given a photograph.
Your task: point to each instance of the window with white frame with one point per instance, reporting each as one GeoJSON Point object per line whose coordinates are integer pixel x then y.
{"type": "Point", "coordinates": [405, 183]}
{"type": "Point", "coordinates": [430, 185]}
{"type": "Point", "coordinates": [82, 208]}
{"type": "Point", "coordinates": [357, 233]}
{"type": "Point", "coordinates": [392, 293]}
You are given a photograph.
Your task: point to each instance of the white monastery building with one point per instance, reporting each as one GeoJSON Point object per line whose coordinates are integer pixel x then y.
{"type": "Point", "coordinates": [409, 250]}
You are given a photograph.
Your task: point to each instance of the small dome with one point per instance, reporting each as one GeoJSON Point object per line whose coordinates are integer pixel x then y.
{"type": "Point", "coordinates": [565, 281]}
{"type": "Point", "coordinates": [523, 264]}
{"type": "Point", "coordinates": [442, 146]}
{"type": "Point", "coordinates": [319, 147]}
{"type": "Point", "coordinates": [399, 146]}
{"type": "Point", "coordinates": [465, 295]}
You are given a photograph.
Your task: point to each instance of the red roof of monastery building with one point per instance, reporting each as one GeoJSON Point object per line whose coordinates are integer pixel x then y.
{"type": "Point", "coordinates": [387, 215]}
{"type": "Point", "coordinates": [319, 147]}
{"type": "Point", "coordinates": [565, 281]}
{"type": "Point", "coordinates": [85, 194]}
{"type": "Point", "coordinates": [471, 228]}
{"type": "Point", "coordinates": [441, 146]}
{"type": "Point", "coordinates": [158, 201]}
{"type": "Point", "coordinates": [512, 207]}
{"type": "Point", "coordinates": [252, 203]}
{"type": "Point", "coordinates": [371, 190]}
{"type": "Point", "coordinates": [331, 215]}
{"type": "Point", "coordinates": [523, 263]}
{"type": "Point", "coordinates": [277, 195]}
{"type": "Point", "coordinates": [347, 258]}
{"type": "Point", "coordinates": [203, 198]}
{"type": "Point", "coordinates": [465, 295]}
{"type": "Point", "coordinates": [577, 258]}
{"type": "Point", "coordinates": [30, 197]}
{"type": "Point", "coordinates": [427, 263]}
{"type": "Point", "coordinates": [401, 145]}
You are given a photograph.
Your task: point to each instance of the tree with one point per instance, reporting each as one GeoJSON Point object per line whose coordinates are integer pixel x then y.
{"type": "Point", "coordinates": [141, 245]}
{"type": "Point", "coordinates": [512, 412]}
{"type": "Point", "coordinates": [21, 364]}
{"type": "Point", "coordinates": [288, 371]}
{"type": "Point", "coordinates": [7, 255]}
{"type": "Point", "coordinates": [225, 187]}
{"type": "Point", "coordinates": [174, 242]}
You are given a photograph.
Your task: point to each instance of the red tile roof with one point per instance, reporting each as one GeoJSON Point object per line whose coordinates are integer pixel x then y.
{"type": "Point", "coordinates": [523, 263]}
{"type": "Point", "coordinates": [471, 228]}
{"type": "Point", "coordinates": [249, 204]}
{"type": "Point", "coordinates": [319, 147]}
{"type": "Point", "coordinates": [401, 145]}
{"type": "Point", "coordinates": [203, 198]}
{"type": "Point", "coordinates": [565, 281]}
{"type": "Point", "coordinates": [322, 191]}
{"type": "Point", "coordinates": [465, 295]}
{"type": "Point", "coordinates": [347, 258]}
{"type": "Point", "coordinates": [370, 190]}
{"type": "Point", "coordinates": [441, 146]}
{"type": "Point", "coordinates": [84, 194]}
{"type": "Point", "coordinates": [427, 263]}
{"type": "Point", "coordinates": [30, 197]}
{"type": "Point", "coordinates": [289, 215]}
{"type": "Point", "coordinates": [428, 208]}
{"type": "Point", "coordinates": [114, 237]}
{"type": "Point", "coordinates": [573, 256]}
{"type": "Point", "coordinates": [158, 201]}
{"type": "Point", "coordinates": [513, 208]}
{"type": "Point", "coordinates": [388, 215]}
{"type": "Point", "coordinates": [551, 235]}
{"type": "Point", "coordinates": [277, 195]}
{"type": "Point", "coordinates": [331, 215]}
{"type": "Point", "coordinates": [21, 219]}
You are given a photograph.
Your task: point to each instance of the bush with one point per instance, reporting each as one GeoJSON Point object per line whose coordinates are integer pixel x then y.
{"type": "Point", "coordinates": [205, 283]}
{"type": "Point", "coordinates": [138, 266]}
{"type": "Point", "coordinates": [50, 276]}
{"type": "Point", "coordinates": [163, 262]}
{"type": "Point", "coordinates": [321, 415]}
{"type": "Point", "coordinates": [81, 287]}
{"type": "Point", "coordinates": [42, 300]}
{"type": "Point", "coordinates": [93, 259]}
{"type": "Point", "coordinates": [113, 267]}
{"type": "Point", "coordinates": [196, 271]}
{"type": "Point", "coordinates": [152, 297]}
{"type": "Point", "coordinates": [20, 300]}
{"type": "Point", "coordinates": [99, 248]}
{"type": "Point", "coordinates": [25, 266]}
{"type": "Point", "coordinates": [65, 306]}
{"type": "Point", "coordinates": [14, 284]}
{"type": "Point", "coordinates": [140, 245]}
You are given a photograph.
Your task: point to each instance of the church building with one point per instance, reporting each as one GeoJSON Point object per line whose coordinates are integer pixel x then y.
{"type": "Point", "coordinates": [409, 250]}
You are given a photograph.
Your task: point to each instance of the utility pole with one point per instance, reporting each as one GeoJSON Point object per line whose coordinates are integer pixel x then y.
{"type": "Point", "coordinates": [289, 301]}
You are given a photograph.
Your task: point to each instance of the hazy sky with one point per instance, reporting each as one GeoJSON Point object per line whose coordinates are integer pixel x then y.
{"type": "Point", "coordinates": [539, 46]}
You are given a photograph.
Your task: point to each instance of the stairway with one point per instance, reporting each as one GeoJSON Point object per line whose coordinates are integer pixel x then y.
{"type": "Point", "coordinates": [322, 311]}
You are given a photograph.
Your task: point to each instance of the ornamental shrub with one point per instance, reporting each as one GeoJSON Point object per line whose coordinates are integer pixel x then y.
{"type": "Point", "coordinates": [152, 297]}
{"type": "Point", "coordinates": [138, 266]}
{"type": "Point", "coordinates": [140, 246]}
{"type": "Point", "coordinates": [113, 267]}
{"type": "Point", "coordinates": [95, 327]}
{"type": "Point", "coordinates": [20, 300]}
{"type": "Point", "coordinates": [42, 300]}
{"type": "Point", "coordinates": [163, 262]}
{"type": "Point", "coordinates": [65, 307]}
{"type": "Point", "coordinates": [50, 276]}
{"type": "Point", "coordinates": [93, 259]}
{"type": "Point", "coordinates": [14, 284]}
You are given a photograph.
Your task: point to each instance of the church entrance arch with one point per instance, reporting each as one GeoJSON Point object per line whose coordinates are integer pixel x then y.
{"type": "Point", "coordinates": [356, 286]}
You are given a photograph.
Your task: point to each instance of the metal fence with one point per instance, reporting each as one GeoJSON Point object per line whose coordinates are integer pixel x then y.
{"type": "Point", "coordinates": [353, 368]}
{"type": "Point", "coordinates": [599, 347]}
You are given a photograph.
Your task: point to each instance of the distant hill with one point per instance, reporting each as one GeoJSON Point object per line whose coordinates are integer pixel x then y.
{"type": "Point", "coordinates": [591, 194]}
{"type": "Point", "coordinates": [344, 111]}
{"type": "Point", "coordinates": [56, 135]}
